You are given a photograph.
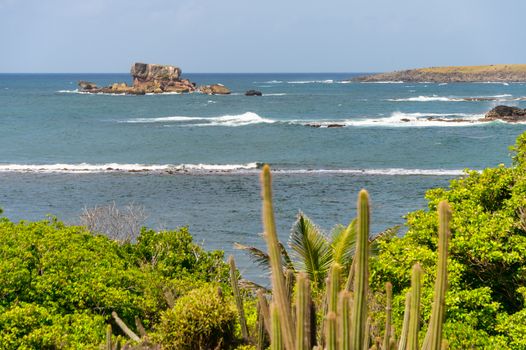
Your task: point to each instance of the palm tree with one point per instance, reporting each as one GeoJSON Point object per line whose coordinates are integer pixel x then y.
{"type": "Point", "coordinates": [313, 252]}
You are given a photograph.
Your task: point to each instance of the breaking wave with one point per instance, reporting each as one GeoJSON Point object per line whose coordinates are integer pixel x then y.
{"type": "Point", "coordinates": [327, 81]}
{"type": "Point", "coordinates": [395, 119]}
{"type": "Point", "coordinates": [505, 97]}
{"type": "Point", "coordinates": [132, 168]}
{"type": "Point", "coordinates": [76, 91]}
{"type": "Point", "coordinates": [399, 119]}
{"type": "Point", "coordinates": [247, 118]}
{"type": "Point", "coordinates": [212, 169]}
{"type": "Point", "coordinates": [383, 82]}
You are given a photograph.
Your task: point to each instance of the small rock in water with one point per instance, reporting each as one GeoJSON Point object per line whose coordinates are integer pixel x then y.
{"type": "Point", "coordinates": [253, 93]}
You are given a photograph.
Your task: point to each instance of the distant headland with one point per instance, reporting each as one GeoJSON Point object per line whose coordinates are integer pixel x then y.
{"type": "Point", "coordinates": [454, 74]}
{"type": "Point", "coordinates": [154, 79]}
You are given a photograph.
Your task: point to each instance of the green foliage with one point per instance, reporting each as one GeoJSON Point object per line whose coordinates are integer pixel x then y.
{"type": "Point", "coordinates": [487, 261]}
{"type": "Point", "coordinates": [174, 254]}
{"type": "Point", "coordinates": [59, 284]}
{"type": "Point", "coordinates": [202, 319]}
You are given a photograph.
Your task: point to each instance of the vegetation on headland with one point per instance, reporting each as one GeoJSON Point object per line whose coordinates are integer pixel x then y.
{"type": "Point", "coordinates": [491, 73]}
{"type": "Point", "coordinates": [60, 284]}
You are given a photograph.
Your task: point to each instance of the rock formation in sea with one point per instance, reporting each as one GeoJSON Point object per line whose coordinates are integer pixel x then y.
{"type": "Point", "coordinates": [154, 79]}
{"type": "Point", "coordinates": [504, 113]}
{"type": "Point", "coordinates": [507, 114]}
{"type": "Point", "coordinates": [253, 93]}
{"type": "Point", "coordinates": [214, 89]}
{"type": "Point", "coordinates": [454, 74]}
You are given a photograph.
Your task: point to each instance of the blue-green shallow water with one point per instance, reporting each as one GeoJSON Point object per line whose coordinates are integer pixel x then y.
{"type": "Point", "coordinates": [387, 146]}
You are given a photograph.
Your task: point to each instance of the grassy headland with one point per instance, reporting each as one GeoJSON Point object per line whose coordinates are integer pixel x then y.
{"type": "Point", "coordinates": [451, 74]}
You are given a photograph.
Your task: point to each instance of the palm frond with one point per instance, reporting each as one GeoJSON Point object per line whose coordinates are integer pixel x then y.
{"type": "Point", "coordinates": [311, 248]}
{"type": "Point", "coordinates": [343, 244]}
{"type": "Point", "coordinates": [256, 255]}
{"type": "Point", "coordinates": [287, 261]}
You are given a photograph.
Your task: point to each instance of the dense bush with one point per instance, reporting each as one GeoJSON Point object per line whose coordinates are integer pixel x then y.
{"type": "Point", "coordinates": [59, 284]}
{"type": "Point", "coordinates": [202, 319]}
{"type": "Point", "coordinates": [487, 264]}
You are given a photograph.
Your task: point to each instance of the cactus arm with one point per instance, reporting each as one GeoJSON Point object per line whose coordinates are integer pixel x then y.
{"type": "Point", "coordinates": [437, 313]}
{"type": "Point", "coordinates": [280, 294]}
{"type": "Point", "coordinates": [388, 308]}
{"type": "Point", "coordinates": [414, 315]}
{"type": "Point", "coordinates": [303, 313]}
{"type": "Point", "coordinates": [402, 345]}
{"type": "Point", "coordinates": [359, 313]}
{"type": "Point", "coordinates": [276, 339]}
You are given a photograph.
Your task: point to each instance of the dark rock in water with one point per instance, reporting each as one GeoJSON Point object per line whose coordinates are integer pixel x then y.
{"type": "Point", "coordinates": [87, 85]}
{"type": "Point", "coordinates": [253, 93]}
{"type": "Point", "coordinates": [405, 120]}
{"type": "Point", "coordinates": [318, 125]}
{"type": "Point", "coordinates": [507, 114]}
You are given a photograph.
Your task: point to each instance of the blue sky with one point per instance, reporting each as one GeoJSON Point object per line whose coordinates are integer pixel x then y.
{"type": "Point", "coordinates": [258, 36]}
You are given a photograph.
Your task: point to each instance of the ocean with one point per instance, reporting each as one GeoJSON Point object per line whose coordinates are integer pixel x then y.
{"type": "Point", "coordinates": [193, 160]}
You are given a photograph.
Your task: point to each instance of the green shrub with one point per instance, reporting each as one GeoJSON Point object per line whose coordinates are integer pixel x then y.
{"type": "Point", "coordinates": [202, 319]}
{"type": "Point", "coordinates": [487, 262]}
{"type": "Point", "coordinates": [59, 284]}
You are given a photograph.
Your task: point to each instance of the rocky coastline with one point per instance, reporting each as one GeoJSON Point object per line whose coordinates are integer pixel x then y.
{"type": "Point", "coordinates": [453, 74]}
{"type": "Point", "coordinates": [154, 79]}
{"type": "Point", "coordinates": [504, 113]}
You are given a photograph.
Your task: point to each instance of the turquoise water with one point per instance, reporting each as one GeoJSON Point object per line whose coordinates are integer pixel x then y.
{"type": "Point", "coordinates": [192, 159]}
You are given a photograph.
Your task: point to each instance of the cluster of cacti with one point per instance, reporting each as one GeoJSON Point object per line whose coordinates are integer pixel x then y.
{"type": "Point", "coordinates": [345, 325]}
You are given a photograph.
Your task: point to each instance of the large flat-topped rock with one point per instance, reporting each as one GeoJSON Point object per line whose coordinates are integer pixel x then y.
{"type": "Point", "coordinates": [145, 73]}
{"type": "Point", "coordinates": [154, 79]}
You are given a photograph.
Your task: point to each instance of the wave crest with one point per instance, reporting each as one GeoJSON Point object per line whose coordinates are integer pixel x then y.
{"type": "Point", "coordinates": [226, 120]}
{"type": "Point", "coordinates": [213, 169]}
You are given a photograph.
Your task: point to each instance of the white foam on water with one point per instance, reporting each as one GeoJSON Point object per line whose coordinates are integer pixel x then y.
{"type": "Point", "coordinates": [226, 120]}
{"type": "Point", "coordinates": [328, 81]}
{"type": "Point", "coordinates": [380, 171]}
{"type": "Point", "coordinates": [269, 82]}
{"type": "Point", "coordinates": [503, 97]}
{"type": "Point", "coordinates": [212, 169]}
{"type": "Point", "coordinates": [275, 94]}
{"type": "Point", "coordinates": [83, 168]}
{"type": "Point", "coordinates": [383, 82]}
{"type": "Point", "coordinates": [399, 119]}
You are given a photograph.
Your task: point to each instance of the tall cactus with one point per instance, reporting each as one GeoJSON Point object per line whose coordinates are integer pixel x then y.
{"type": "Point", "coordinates": [237, 297]}
{"type": "Point", "coordinates": [264, 309]}
{"type": "Point", "coordinates": [331, 335]}
{"type": "Point", "coordinates": [414, 314]}
{"type": "Point", "coordinates": [359, 314]}
{"type": "Point", "coordinates": [434, 335]}
{"type": "Point", "coordinates": [303, 312]}
{"type": "Point", "coordinates": [333, 287]}
{"type": "Point", "coordinates": [276, 338]}
{"type": "Point", "coordinates": [388, 308]}
{"type": "Point", "coordinates": [108, 338]}
{"type": "Point", "coordinates": [402, 344]}
{"type": "Point", "coordinates": [346, 325]}
{"type": "Point", "coordinates": [344, 313]}
{"type": "Point", "coordinates": [280, 294]}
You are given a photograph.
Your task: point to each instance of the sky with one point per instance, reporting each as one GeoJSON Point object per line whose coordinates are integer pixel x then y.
{"type": "Point", "coordinates": [258, 36]}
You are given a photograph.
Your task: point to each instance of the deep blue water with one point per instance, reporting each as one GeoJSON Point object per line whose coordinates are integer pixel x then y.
{"type": "Point", "coordinates": [201, 152]}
